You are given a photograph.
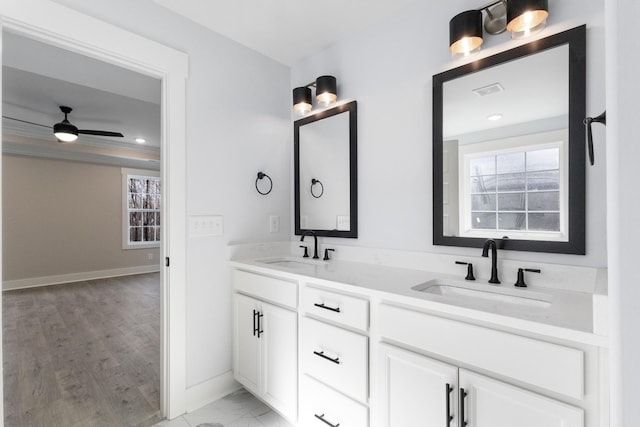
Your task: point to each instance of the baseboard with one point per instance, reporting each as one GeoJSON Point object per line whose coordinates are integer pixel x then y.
{"type": "Point", "coordinates": [210, 391]}
{"type": "Point", "coordinates": [77, 277]}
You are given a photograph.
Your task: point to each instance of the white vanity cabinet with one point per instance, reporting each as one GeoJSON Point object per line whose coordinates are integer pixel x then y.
{"type": "Point", "coordinates": [265, 339]}
{"type": "Point", "coordinates": [420, 391]}
{"type": "Point", "coordinates": [334, 359]}
{"type": "Point", "coordinates": [415, 390]}
{"type": "Point", "coordinates": [414, 387]}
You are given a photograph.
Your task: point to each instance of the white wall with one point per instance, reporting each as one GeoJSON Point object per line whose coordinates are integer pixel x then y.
{"type": "Point", "coordinates": [237, 124]}
{"type": "Point", "coordinates": [387, 68]}
{"type": "Point", "coordinates": [623, 176]}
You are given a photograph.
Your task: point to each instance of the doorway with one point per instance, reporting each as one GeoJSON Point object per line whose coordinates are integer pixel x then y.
{"type": "Point", "coordinates": [64, 28]}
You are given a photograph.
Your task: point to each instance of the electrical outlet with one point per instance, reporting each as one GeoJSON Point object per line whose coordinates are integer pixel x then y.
{"type": "Point", "coordinates": [274, 224]}
{"type": "Point", "coordinates": [149, 256]}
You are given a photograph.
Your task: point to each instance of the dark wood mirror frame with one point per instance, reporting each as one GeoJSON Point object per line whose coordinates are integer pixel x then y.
{"type": "Point", "coordinates": [576, 40]}
{"type": "Point", "coordinates": [350, 108]}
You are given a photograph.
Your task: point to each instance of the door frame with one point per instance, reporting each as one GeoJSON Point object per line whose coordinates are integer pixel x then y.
{"type": "Point", "coordinates": [54, 24]}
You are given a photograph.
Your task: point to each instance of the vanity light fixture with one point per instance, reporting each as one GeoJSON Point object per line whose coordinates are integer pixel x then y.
{"type": "Point", "coordinates": [326, 94]}
{"type": "Point", "coordinates": [521, 17]}
{"type": "Point", "coordinates": [140, 140]}
{"type": "Point", "coordinates": [526, 17]}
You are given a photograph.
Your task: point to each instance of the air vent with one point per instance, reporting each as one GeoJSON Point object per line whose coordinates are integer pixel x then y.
{"type": "Point", "coordinates": [488, 90]}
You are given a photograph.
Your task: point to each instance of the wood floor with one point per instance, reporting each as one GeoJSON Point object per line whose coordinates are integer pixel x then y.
{"type": "Point", "coordinates": [83, 354]}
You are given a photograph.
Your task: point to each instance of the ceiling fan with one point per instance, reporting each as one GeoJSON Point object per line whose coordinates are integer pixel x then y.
{"type": "Point", "coordinates": [65, 131]}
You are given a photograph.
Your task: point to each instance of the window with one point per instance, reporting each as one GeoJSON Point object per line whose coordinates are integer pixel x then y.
{"type": "Point", "coordinates": [141, 210]}
{"type": "Point", "coordinates": [515, 191]}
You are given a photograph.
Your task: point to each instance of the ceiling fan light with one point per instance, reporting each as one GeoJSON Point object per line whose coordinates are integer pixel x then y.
{"type": "Point", "coordinates": [65, 131]}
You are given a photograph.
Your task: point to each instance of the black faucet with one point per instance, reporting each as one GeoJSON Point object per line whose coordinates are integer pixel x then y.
{"type": "Point", "coordinates": [315, 242]}
{"type": "Point", "coordinates": [494, 259]}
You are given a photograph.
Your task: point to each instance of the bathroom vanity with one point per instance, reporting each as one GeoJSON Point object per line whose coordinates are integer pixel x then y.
{"type": "Point", "coordinates": [361, 344]}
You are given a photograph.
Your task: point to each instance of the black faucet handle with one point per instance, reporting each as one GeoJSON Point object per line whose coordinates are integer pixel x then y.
{"type": "Point", "coordinates": [520, 283]}
{"type": "Point", "coordinates": [326, 253]}
{"type": "Point", "coordinates": [306, 251]}
{"type": "Point", "coordinates": [470, 275]}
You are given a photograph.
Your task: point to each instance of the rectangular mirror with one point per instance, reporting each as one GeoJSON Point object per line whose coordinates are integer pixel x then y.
{"type": "Point", "coordinates": [508, 148]}
{"type": "Point", "coordinates": [325, 167]}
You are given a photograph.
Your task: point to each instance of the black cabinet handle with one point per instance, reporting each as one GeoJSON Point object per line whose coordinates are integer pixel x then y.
{"type": "Point", "coordinates": [337, 309]}
{"type": "Point", "coordinates": [463, 394]}
{"type": "Point", "coordinates": [448, 390]}
{"type": "Point", "coordinates": [324, 356]}
{"type": "Point", "coordinates": [321, 418]}
{"type": "Point", "coordinates": [260, 331]}
{"type": "Point", "coordinates": [255, 328]}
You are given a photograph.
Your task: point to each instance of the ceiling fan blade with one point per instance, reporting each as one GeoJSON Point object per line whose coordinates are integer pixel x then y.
{"type": "Point", "coordinates": [100, 133]}
{"type": "Point", "coordinates": [25, 121]}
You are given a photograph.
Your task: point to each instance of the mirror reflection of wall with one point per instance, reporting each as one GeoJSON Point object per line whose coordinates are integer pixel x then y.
{"type": "Point", "coordinates": [324, 156]}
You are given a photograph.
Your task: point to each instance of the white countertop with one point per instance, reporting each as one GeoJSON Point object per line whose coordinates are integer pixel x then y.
{"type": "Point", "coordinates": [569, 316]}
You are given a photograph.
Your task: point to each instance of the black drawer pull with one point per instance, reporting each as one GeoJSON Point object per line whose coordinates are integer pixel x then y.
{"type": "Point", "coordinates": [255, 328]}
{"type": "Point", "coordinates": [260, 331]}
{"type": "Point", "coordinates": [448, 390]}
{"type": "Point", "coordinates": [337, 309]}
{"type": "Point", "coordinates": [324, 356]}
{"type": "Point", "coordinates": [321, 418]}
{"type": "Point", "coordinates": [463, 394]}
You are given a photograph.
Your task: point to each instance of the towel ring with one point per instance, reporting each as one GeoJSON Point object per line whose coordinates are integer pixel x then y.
{"type": "Point", "coordinates": [260, 176]}
{"type": "Point", "coordinates": [313, 183]}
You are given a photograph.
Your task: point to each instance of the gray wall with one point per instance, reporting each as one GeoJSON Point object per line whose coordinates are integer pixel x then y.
{"type": "Point", "coordinates": [61, 218]}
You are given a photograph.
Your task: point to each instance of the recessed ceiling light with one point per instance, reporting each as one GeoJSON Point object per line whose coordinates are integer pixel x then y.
{"type": "Point", "coordinates": [141, 140]}
{"type": "Point", "coordinates": [494, 117]}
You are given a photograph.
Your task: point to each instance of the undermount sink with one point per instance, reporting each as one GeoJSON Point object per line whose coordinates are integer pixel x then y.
{"type": "Point", "coordinates": [481, 292]}
{"type": "Point", "coordinates": [294, 263]}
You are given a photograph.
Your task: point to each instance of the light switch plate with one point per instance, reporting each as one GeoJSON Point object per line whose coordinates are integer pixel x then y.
{"type": "Point", "coordinates": [206, 225]}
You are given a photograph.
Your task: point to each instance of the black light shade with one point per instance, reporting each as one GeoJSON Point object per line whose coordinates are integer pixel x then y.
{"type": "Point", "coordinates": [302, 99]}
{"type": "Point", "coordinates": [65, 131]}
{"type": "Point", "coordinates": [526, 16]}
{"type": "Point", "coordinates": [465, 32]}
{"type": "Point", "coordinates": [326, 90]}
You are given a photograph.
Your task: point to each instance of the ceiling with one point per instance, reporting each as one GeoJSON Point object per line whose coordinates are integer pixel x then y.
{"type": "Point", "coordinates": [38, 78]}
{"type": "Point", "coordinates": [286, 30]}
{"type": "Point", "coordinates": [526, 96]}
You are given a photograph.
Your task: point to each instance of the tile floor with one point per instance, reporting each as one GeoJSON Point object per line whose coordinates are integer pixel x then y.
{"type": "Point", "coordinates": [239, 409]}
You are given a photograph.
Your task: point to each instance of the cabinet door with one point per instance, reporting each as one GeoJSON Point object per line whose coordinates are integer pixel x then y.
{"type": "Point", "coordinates": [416, 390]}
{"type": "Point", "coordinates": [246, 346]}
{"type": "Point", "coordinates": [279, 341]}
{"type": "Point", "coordinates": [491, 403]}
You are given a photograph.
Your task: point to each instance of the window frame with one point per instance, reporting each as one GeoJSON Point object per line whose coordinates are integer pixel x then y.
{"type": "Point", "coordinates": [126, 174]}
{"type": "Point", "coordinates": [525, 143]}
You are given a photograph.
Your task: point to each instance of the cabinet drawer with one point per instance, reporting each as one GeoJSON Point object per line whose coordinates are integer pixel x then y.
{"type": "Point", "coordinates": [343, 309]}
{"type": "Point", "coordinates": [267, 288]}
{"type": "Point", "coordinates": [550, 366]}
{"type": "Point", "coordinates": [335, 356]}
{"type": "Point", "coordinates": [318, 401]}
